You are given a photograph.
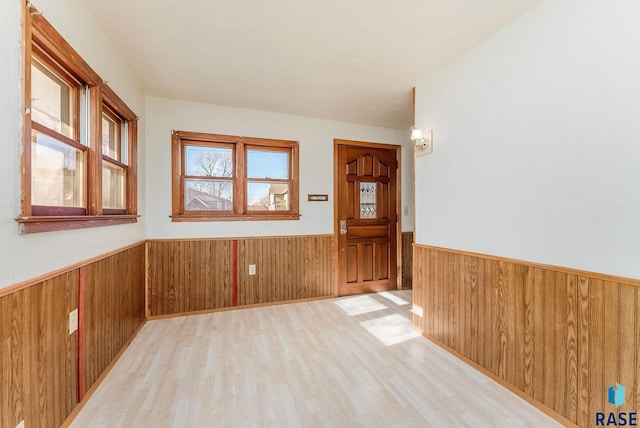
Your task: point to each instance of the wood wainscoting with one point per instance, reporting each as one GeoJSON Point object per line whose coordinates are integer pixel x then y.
{"type": "Point", "coordinates": [41, 364]}
{"type": "Point", "coordinates": [206, 274]}
{"type": "Point", "coordinates": [407, 260]}
{"type": "Point", "coordinates": [559, 336]}
{"type": "Point", "coordinates": [113, 309]}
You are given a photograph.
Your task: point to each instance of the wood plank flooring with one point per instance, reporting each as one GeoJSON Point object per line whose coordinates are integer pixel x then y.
{"type": "Point", "coordinates": [347, 362]}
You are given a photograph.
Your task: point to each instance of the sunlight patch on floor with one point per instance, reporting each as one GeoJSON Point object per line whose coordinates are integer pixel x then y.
{"type": "Point", "coordinates": [393, 297]}
{"type": "Point", "coordinates": [359, 305]}
{"type": "Point", "coordinates": [391, 329]}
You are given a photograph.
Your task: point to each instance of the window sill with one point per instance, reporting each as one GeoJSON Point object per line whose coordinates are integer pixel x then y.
{"type": "Point", "coordinates": [37, 224]}
{"type": "Point", "coordinates": [247, 217]}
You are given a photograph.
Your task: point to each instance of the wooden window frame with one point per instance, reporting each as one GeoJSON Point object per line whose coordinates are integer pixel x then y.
{"type": "Point", "coordinates": [181, 139]}
{"type": "Point", "coordinates": [48, 46]}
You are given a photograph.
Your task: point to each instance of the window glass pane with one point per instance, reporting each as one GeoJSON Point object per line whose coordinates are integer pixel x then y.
{"type": "Point", "coordinates": [209, 161]}
{"type": "Point", "coordinates": [51, 100]}
{"type": "Point", "coordinates": [265, 164]}
{"type": "Point", "coordinates": [113, 180]}
{"type": "Point", "coordinates": [111, 137]}
{"type": "Point", "coordinates": [57, 173]}
{"type": "Point", "coordinates": [208, 195]}
{"type": "Point", "coordinates": [267, 196]}
{"type": "Point", "coordinates": [368, 201]}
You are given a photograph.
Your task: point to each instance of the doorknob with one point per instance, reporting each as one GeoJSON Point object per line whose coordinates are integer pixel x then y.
{"type": "Point", "coordinates": [343, 227]}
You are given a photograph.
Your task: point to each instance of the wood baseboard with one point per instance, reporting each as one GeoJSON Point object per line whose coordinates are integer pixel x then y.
{"type": "Point", "coordinates": [233, 308]}
{"type": "Point", "coordinates": [555, 415]}
{"type": "Point", "coordinates": [559, 336]}
{"type": "Point", "coordinates": [101, 378]}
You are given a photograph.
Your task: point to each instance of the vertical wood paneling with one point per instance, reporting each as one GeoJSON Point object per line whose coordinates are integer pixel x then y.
{"type": "Point", "coordinates": [193, 275]}
{"type": "Point", "coordinates": [38, 361]}
{"type": "Point", "coordinates": [584, 360]}
{"type": "Point", "coordinates": [571, 346]}
{"type": "Point", "coordinates": [113, 308]}
{"type": "Point", "coordinates": [51, 351]}
{"type": "Point", "coordinates": [287, 268]}
{"type": "Point", "coordinates": [551, 333]}
{"type": "Point", "coordinates": [611, 328]}
{"type": "Point", "coordinates": [13, 336]}
{"type": "Point", "coordinates": [186, 276]}
{"type": "Point", "coordinates": [407, 260]}
{"type": "Point", "coordinates": [420, 264]}
{"type": "Point", "coordinates": [627, 357]}
{"type": "Point", "coordinates": [494, 322]}
{"type": "Point", "coordinates": [483, 312]}
{"type": "Point", "coordinates": [538, 334]}
{"type": "Point", "coordinates": [562, 338]}
{"type": "Point", "coordinates": [523, 295]}
{"type": "Point", "coordinates": [597, 317]}
{"type": "Point", "coordinates": [472, 319]}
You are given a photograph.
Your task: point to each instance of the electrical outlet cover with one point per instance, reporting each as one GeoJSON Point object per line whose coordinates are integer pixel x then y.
{"type": "Point", "coordinates": [73, 321]}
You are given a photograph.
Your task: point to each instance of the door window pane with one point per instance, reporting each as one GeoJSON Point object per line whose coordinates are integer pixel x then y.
{"type": "Point", "coordinates": [266, 164]}
{"type": "Point", "coordinates": [209, 161]}
{"type": "Point", "coordinates": [57, 173]}
{"type": "Point", "coordinates": [51, 100]}
{"type": "Point", "coordinates": [368, 200]}
{"type": "Point", "coordinates": [208, 195]}
{"type": "Point", "coordinates": [113, 189]}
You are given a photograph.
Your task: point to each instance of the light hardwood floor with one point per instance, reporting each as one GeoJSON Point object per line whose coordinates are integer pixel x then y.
{"type": "Point", "coordinates": [347, 362]}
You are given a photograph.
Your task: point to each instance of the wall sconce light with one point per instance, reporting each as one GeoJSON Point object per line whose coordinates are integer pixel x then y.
{"type": "Point", "coordinates": [422, 140]}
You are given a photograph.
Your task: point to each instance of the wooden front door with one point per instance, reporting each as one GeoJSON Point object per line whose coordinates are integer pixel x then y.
{"type": "Point", "coordinates": [366, 217]}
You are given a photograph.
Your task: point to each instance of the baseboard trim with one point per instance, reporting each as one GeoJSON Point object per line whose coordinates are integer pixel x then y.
{"type": "Point", "coordinates": [76, 410]}
{"type": "Point", "coordinates": [552, 413]}
{"type": "Point", "coordinates": [233, 308]}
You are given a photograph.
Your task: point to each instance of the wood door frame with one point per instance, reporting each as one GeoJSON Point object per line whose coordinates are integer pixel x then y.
{"type": "Point", "coordinates": [336, 231]}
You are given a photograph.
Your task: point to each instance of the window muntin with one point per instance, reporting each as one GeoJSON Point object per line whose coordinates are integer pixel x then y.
{"type": "Point", "coordinates": [221, 177]}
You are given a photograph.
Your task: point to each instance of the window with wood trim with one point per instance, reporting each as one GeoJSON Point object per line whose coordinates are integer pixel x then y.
{"type": "Point", "coordinates": [224, 177]}
{"type": "Point", "coordinates": [79, 150]}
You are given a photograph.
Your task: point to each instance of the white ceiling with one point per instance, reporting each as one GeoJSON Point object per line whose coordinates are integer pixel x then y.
{"type": "Point", "coordinates": [345, 60]}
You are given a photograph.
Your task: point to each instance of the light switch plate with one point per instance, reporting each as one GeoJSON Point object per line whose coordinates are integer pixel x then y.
{"type": "Point", "coordinates": [252, 269]}
{"type": "Point", "coordinates": [406, 211]}
{"type": "Point", "coordinates": [73, 321]}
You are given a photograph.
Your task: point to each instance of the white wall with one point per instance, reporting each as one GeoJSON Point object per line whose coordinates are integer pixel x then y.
{"type": "Point", "coordinates": [316, 164]}
{"type": "Point", "coordinates": [536, 141]}
{"type": "Point", "coordinates": [26, 256]}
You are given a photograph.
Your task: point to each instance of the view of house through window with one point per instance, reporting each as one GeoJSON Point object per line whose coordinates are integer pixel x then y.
{"type": "Point", "coordinates": [267, 165]}
{"type": "Point", "coordinates": [209, 186]}
{"type": "Point", "coordinates": [226, 177]}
